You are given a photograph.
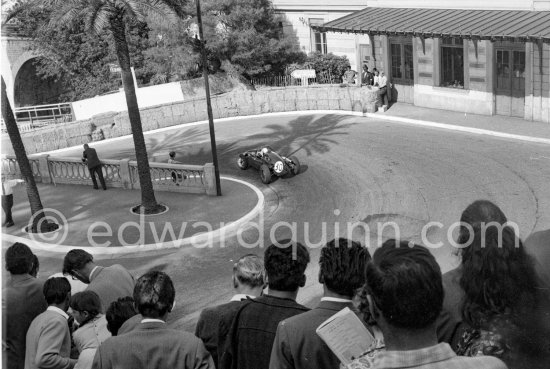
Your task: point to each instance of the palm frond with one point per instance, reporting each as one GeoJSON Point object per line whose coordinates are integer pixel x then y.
{"type": "Point", "coordinates": [132, 9]}
{"type": "Point", "coordinates": [63, 15]}
{"type": "Point", "coordinates": [102, 20]}
{"type": "Point", "coordinates": [18, 9]}
{"type": "Point", "coordinates": [96, 17]}
{"type": "Point", "coordinates": [177, 6]}
{"type": "Point", "coordinates": [159, 11]}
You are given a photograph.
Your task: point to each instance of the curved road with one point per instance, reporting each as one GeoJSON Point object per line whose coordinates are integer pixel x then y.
{"type": "Point", "coordinates": [354, 170]}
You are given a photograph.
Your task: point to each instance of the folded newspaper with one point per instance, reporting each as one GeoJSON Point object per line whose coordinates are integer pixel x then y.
{"type": "Point", "coordinates": [346, 335]}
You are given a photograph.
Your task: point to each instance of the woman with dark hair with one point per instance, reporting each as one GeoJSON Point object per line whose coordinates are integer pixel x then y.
{"type": "Point", "coordinates": [86, 309]}
{"type": "Point", "coordinates": [504, 312]}
{"type": "Point", "coordinates": [477, 214]}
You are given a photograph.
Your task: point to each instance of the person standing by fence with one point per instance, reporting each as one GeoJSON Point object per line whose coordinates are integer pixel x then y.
{"type": "Point", "coordinates": [7, 200]}
{"type": "Point", "coordinates": [89, 156]}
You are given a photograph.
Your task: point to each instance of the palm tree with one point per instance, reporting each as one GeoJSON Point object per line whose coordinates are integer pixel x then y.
{"type": "Point", "coordinates": [113, 15]}
{"type": "Point", "coordinates": [24, 167]}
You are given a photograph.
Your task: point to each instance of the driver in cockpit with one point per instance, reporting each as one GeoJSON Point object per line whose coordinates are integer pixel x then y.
{"type": "Point", "coordinates": [263, 152]}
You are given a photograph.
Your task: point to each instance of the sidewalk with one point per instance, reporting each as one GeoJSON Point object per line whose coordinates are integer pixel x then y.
{"type": "Point", "coordinates": [101, 221]}
{"type": "Point", "coordinates": [495, 123]}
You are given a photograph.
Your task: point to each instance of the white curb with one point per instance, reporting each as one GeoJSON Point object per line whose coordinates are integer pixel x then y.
{"type": "Point", "coordinates": [453, 127]}
{"type": "Point", "coordinates": [200, 240]}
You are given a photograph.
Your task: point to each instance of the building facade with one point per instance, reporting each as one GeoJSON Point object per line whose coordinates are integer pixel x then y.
{"type": "Point", "coordinates": [483, 58]}
{"type": "Point", "coordinates": [297, 17]}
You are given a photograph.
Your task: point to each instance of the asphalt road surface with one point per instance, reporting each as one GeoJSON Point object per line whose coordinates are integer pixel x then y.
{"type": "Point", "coordinates": [353, 170]}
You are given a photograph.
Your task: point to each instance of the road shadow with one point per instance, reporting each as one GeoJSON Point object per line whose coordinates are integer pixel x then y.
{"type": "Point", "coordinates": [307, 135]}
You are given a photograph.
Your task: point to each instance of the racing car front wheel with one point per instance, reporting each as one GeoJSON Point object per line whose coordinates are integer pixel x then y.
{"type": "Point", "coordinates": [296, 167]}
{"type": "Point", "coordinates": [265, 174]}
{"type": "Point", "coordinates": [242, 163]}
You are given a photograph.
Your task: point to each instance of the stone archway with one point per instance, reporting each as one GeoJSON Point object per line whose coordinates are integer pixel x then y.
{"type": "Point", "coordinates": [30, 89]}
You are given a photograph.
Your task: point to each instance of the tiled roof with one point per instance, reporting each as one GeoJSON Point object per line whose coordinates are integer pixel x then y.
{"type": "Point", "coordinates": [484, 24]}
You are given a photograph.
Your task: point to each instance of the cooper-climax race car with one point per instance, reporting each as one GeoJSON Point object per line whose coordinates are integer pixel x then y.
{"type": "Point", "coordinates": [269, 163]}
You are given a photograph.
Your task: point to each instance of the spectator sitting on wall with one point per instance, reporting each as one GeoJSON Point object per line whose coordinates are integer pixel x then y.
{"type": "Point", "coordinates": [367, 78]}
{"type": "Point", "coordinates": [349, 76]}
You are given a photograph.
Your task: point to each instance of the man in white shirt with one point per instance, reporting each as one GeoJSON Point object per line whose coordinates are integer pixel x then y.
{"type": "Point", "coordinates": [248, 282]}
{"type": "Point", "coordinates": [48, 338]}
{"type": "Point", "coordinates": [7, 199]}
{"type": "Point", "coordinates": [383, 88]}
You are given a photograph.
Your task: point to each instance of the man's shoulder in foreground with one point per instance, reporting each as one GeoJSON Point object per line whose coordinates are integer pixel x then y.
{"type": "Point", "coordinates": [219, 310]}
{"type": "Point", "coordinates": [49, 317]}
{"type": "Point", "coordinates": [277, 302]}
{"type": "Point", "coordinates": [440, 356]}
{"type": "Point", "coordinates": [151, 335]}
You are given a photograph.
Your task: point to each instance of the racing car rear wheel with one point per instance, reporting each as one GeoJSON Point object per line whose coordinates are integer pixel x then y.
{"type": "Point", "coordinates": [296, 167]}
{"type": "Point", "coordinates": [242, 163]}
{"type": "Point", "coordinates": [265, 174]}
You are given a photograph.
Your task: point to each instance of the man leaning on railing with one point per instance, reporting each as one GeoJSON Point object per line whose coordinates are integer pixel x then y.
{"type": "Point", "coordinates": [89, 156]}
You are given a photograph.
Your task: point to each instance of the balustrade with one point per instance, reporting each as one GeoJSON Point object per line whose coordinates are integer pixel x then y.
{"type": "Point", "coordinates": [117, 173]}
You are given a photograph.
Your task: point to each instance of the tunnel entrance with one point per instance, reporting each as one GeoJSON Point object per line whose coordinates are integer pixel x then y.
{"type": "Point", "coordinates": [31, 89]}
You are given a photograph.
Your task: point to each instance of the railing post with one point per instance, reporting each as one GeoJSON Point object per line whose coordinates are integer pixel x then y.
{"type": "Point", "coordinates": [210, 179]}
{"type": "Point", "coordinates": [44, 167]}
{"type": "Point", "coordinates": [125, 175]}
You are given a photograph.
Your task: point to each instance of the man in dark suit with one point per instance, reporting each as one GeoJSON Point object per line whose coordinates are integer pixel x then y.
{"type": "Point", "coordinates": [248, 281]}
{"type": "Point", "coordinates": [22, 301]}
{"type": "Point", "coordinates": [341, 272]}
{"type": "Point", "coordinates": [152, 344]}
{"type": "Point", "coordinates": [89, 156]}
{"type": "Point", "coordinates": [252, 332]}
{"type": "Point", "coordinates": [367, 78]}
{"type": "Point", "coordinates": [110, 283]}
{"type": "Point", "coordinates": [49, 338]}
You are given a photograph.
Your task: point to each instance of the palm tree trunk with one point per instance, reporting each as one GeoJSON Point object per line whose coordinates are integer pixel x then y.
{"type": "Point", "coordinates": [148, 200]}
{"type": "Point", "coordinates": [22, 160]}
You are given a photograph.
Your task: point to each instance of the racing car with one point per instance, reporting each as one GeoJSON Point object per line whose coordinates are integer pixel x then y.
{"type": "Point", "coordinates": [269, 163]}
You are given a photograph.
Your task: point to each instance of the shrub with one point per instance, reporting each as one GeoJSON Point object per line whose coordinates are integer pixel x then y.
{"type": "Point", "coordinates": [334, 64]}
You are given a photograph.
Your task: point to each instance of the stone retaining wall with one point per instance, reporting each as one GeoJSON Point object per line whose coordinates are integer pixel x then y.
{"type": "Point", "coordinates": [235, 103]}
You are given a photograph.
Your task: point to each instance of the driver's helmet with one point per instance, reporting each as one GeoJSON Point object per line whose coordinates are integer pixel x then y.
{"type": "Point", "coordinates": [265, 150]}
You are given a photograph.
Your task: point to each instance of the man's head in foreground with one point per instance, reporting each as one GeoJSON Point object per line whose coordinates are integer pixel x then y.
{"type": "Point", "coordinates": [342, 267]}
{"type": "Point", "coordinates": [79, 264]}
{"type": "Point", "coordinates": [154, 295]}
{"type": "Point", "coordinates": [285, 265]}
{"type": "Point", "coordinates": [405, 294]}
{"type": "Point", "coordinates": [19, 259]}
{"type": "Point", "coordinates": [249, 275]}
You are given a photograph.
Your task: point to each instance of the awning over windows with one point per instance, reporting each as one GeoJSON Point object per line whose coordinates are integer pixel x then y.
{"type": "Point", "coordinates": [480, 24]}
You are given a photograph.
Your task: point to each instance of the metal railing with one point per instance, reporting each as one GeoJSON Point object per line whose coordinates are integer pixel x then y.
{"type": "Point", "coordinates": [29, 118]}
{"type": "Point", "coordinates": [325, 77]}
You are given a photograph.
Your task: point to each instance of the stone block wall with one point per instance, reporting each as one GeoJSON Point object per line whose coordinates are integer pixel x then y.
{"type": "Point", "coordinates": [236, 103]}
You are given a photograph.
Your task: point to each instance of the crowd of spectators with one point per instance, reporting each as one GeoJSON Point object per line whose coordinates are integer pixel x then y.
{"type": "Point", "coordinates": [491, 312]}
